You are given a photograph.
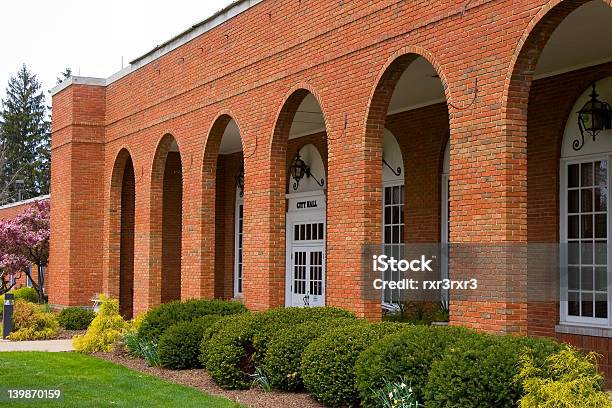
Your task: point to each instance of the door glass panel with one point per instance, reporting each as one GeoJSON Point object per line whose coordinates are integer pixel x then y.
{"type": "Point", "coordinates": [393, 234]}
{"type": "Point", "coordinates": [316, 273]}
{"type": "Point", "coordinates": [587, 236]}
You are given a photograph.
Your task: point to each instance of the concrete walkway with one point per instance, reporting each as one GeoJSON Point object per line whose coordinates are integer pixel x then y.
{"type": "Point", "coordinates": [38, 345]}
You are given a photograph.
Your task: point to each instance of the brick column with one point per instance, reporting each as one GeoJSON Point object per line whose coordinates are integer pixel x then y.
{"type": "Point", "coordinates": [77, 214]}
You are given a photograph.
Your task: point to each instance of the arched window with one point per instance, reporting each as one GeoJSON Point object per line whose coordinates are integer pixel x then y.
{"type": "Point", "coordinates": [585, 229]}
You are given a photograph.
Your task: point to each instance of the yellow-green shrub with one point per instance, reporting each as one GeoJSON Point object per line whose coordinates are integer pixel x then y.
{"type": "Point", "coordinates": [31, 323]}
{"type": "Point", "coordinates": [567, 379]}
{"type": "Point", "coordinates": [104, 331]}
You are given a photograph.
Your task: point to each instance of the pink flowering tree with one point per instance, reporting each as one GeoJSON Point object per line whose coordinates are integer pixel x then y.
{"type": "Point", "coordinates": [24, 241]}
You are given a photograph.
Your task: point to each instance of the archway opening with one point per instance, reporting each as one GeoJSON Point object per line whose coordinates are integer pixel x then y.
{"type": "Point", "coordinates": [229, 214]}
{"type": "Point", "coordinates": [565, 53]}
{"type": "Point", "coordinates": [408, 125]}
{"type": "Point", "coordinates": [126, 260]}
{"type": "Point", "coordinates": [171, 225]}
{"type": "Point", "coordinates": [299, 150]}
{"type": "Point", "coordinates": [120, 280]}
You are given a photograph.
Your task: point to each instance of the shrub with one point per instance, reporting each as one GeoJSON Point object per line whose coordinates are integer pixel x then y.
{"type": "Point", "coordinates": [31, 323]}
{"type": "Point", "coordinates": [480, 372]}
{"type": "Point", "coordinates": [283, 359]}
{"type": "Point", "coordinates": [566, 379]}
{"type": "Point", "coordinates": [236, 350]}
{"type": "Point", "coordinates": [407, 354]}
{"type": "Point", "coordinates": [328, 363]}
{"type": "Point", "coordinates": [157, 320]}
{"type": "Point", "coordinates": [227, 351]}
{"type": "Point", "coordinates": [75, 318]}
{"type": "Point", "coordinates": [179, 346]}
{"type": "Point", "coordinates": [25, 293]}
{"type": "Point", "coordinates": [273, 321]}
{"type": "Point", "coordinates": [104, 331]}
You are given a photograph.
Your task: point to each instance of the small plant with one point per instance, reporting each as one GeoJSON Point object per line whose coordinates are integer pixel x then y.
{"type": "Point", "coordinates": [261, 380]}
{"type": "Point", "coordinates": [105, 330]}
{"type": "Point", "coordinates": [567, 379]}
{"type": "Point", "coordinates": [147, 349]}
{"type": "Point", "coordinates": [75, 318]}
{"type": "Point", "coordinates": [32, 323]}
{"type": "Point", "coordinates": [397, 395]}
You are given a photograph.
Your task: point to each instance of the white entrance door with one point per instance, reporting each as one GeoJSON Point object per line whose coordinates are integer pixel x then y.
{"type": "Point", "coordinates": [307, 280]}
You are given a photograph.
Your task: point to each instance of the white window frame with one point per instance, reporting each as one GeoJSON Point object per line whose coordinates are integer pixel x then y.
{"type": "Point", "coordinates": [565, 318]}
{"type": "Point", "coordinates": [399, 182]}
{"type": "Point", "coordinates": [238, 261]}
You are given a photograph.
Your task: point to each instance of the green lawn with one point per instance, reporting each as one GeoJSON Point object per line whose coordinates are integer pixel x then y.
{"type": "Point", "coordinates": [90, 382]}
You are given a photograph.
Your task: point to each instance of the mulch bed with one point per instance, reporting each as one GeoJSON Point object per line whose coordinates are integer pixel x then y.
{"type": "Point", "coordinates": [68, 334]}
{"type": "Point", "coordinates": [199, 379]}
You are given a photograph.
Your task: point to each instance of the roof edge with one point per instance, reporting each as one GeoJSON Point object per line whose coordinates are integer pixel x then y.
{"type": "Point", "coordinates": [218, 18]}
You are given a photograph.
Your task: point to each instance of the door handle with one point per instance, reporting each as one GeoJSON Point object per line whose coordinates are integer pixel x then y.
{"type": "Point", "coordinates": [306, 300]}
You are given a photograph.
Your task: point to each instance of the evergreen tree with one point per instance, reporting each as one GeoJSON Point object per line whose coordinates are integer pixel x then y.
{"type": "Point", "coordinates": [63, 75]}
{"type": "Point", "coordinates": [25, 137]}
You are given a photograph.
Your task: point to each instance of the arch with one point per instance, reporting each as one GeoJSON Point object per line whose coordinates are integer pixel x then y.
{"type": "Point", "coordinates": [278, 165]}
{"type": "Point", "coordinates": [215, 274]}
{"type": "Point", "coordinates": [120, 280]}
{"type": "Point", "coordinates": [166, 222]}
{"type": "Point", "coordinates": [389, 75]}
{"type": "Point", "coordinates": [519, 77]}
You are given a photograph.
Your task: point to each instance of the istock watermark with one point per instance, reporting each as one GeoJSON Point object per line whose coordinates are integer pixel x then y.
{"type": "Point", "coordinates": [466, 272]}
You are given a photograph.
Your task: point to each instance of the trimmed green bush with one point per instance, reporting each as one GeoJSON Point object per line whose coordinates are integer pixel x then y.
{"type": "Point", "coordinates": [227, 351]}
{"type": "Point", "coordinates": [230, 350]}
{"type": "Point", "coordinates": [408, 355]}
{"type": "Point", "coordinates": [157, 320]}
{"type": "Point", "coordinates": [283, 360]}
{"type": "Point", "coordinates": [480, 372]}
{"type": "Point", "coordinates": [328, 363]}
{"type": "Point", "coordinates": [75, 318]}
{"type": "Point", "coordinates": [273, 321]}
{"type": "Point", "coordinates": [179, 346]}
{"type": "Point", "coordinates": [25, 293]}
{"type": "Point", "coordinates": [566, 379]}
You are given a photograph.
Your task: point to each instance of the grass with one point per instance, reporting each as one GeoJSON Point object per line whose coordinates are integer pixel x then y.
{"type": "Point", "coordinates": [90, 382]}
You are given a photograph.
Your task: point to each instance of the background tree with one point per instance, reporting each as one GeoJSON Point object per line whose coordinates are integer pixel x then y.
{"type": "Point", "coordinates": [63, 75]}
{"type": "Point", "coordinates": [24, 241]}
{"type": "Point", "coordinates": [25, 136]}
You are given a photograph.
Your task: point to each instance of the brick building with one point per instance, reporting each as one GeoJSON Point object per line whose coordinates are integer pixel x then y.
{"type": "Point", "coordinates": [420, 122]}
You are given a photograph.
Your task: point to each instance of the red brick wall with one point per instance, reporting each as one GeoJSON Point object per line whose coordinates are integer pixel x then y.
{"type": "Point", "coordinates": [253, 66]}
{"type": "Point", "coordinates": [172, 229]}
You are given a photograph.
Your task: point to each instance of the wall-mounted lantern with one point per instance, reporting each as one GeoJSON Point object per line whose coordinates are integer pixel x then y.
{"type": "Point", "coordinates": [594, 117]}
{"type": "Point", "coordinates": [299, 169]}
{"type": "Point", "coordinates": [240, 181]}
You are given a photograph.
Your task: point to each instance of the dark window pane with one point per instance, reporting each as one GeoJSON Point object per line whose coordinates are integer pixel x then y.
{"type": "Point", "coordinates": [573, 222]}
{"type": "Point", "coordinates": [586, 222]}
{"type": "Point", "coordinates": [587, 304]}
{"type": "Point", "coordinates": [586, 174]}
{"type": "Point", "coordinates": [396, 215]}
{"type": "Point", "coordinates": [387, 215]}
{"type": "Point", "coordinates": [601, 173]}
{"type": "Point", "coordinates": [573, 252]}
{"type": "Point", "coordinates": [586, 278]}
{"type": "Point", "coordinates": [296, 232]}
{"type": "Point", "coordinates": [586, 253]}
{"type": "Point", "coordinates": [601, 255]}
{"type": "Point", "coordinates": [601, 279]}
{"type": "Point", "coordinates": [388, 235]}
{"type": "Point", "coordinates": [572, 278]}
{"type": "Point", "coordinates": [587, 200]}
{"type": "Point", "coordinates": [572, 304]}
{"type": "Point", "coordinates": [573, 201]}
{"type": "Point", "coordinates": [601, 199]}
{"type": "Point", "coordinates": [572, 175]}
{"type": "Point", "coordinates": [387, 195]}
{"type": "Point", "coordinates": [396, 234]}
{"type": "Point", "coordinates": [396, 195]}
{"type": "Point", "coordinates": [601, 224]}
{"type": "Point", "coordinates": [601, 305]}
